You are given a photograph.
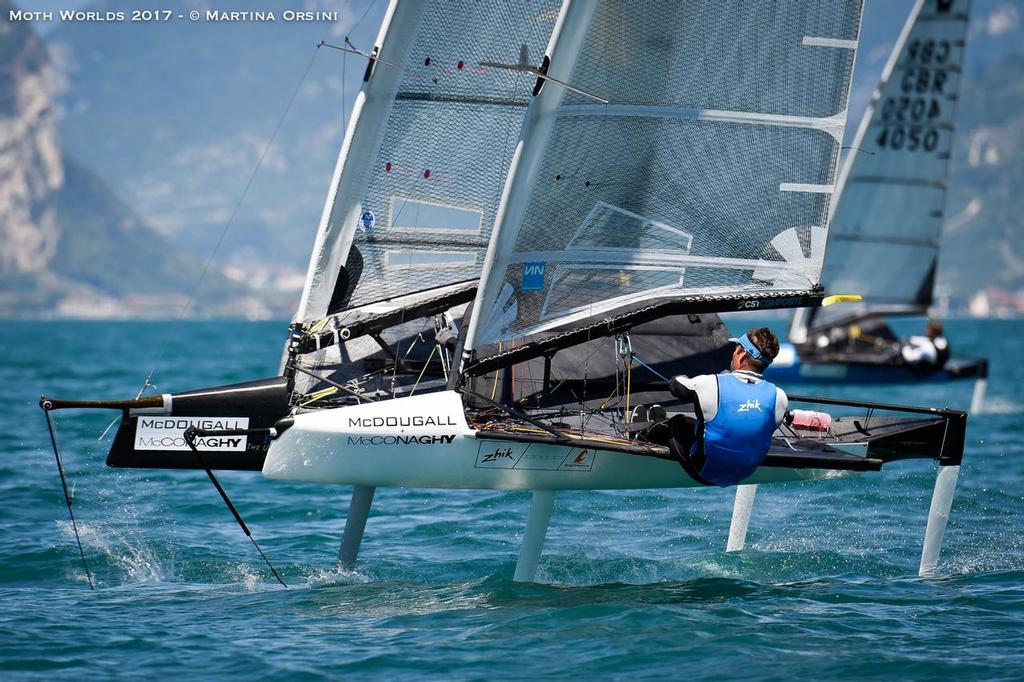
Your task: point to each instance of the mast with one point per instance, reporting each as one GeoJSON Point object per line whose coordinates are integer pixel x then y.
{"type": "Point", "coordinates": [563, 47]}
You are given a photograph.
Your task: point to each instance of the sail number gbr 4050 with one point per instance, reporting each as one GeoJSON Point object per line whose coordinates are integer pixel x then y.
{"type": "Point", "coordinates": [910, 119]}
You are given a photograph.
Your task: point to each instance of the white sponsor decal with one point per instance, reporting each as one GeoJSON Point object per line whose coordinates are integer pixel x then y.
{"type": "Point", "coordinates": [511, 456]}
{"type": "Point", "coordinates": [168, 433]}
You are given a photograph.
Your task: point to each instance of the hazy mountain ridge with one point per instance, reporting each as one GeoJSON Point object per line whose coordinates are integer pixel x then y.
{"type": "Point", "coordinates": [31, 171]}
{"type": "Point", "coordinates": [195, 105]}
{"type": "Point", "coordinates": [175, 117]}
{"type": "Point", "coordinates": [983, 242]}
{"type": "Point", "coordinates": [70, 247]}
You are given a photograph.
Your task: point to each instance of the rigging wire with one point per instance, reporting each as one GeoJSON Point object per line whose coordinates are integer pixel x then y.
{"type": "Point", "coordinates": [145, 384]}
{"type": "Point", "coordinates": [190, 436]}
{"type": "Point", "coordinates": [629, 385]}
{"type": "Point", "coordinates": [650, 369]}
{"type": "Point", "coordinates": [68, 497]}
{"type": "Point", "coordinates": [231, 219]}
{"type": "Point", "coordinates": [369, 6]}
{"type": "Point", "coordinates": [422, 371]}
{"type": "Point", "coordinates": [494, 388]}
{"type": "Point", "coordinates": [320, 377]}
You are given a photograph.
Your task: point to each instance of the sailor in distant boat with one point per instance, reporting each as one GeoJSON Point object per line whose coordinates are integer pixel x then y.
{"type": "Point", "coordinates": [928, 352]}
{"type": "Point", "coordinates": [736, 414]}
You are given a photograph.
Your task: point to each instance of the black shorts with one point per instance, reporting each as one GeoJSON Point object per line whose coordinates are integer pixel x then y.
{"type": "Point", "coordinates": [683, 433]}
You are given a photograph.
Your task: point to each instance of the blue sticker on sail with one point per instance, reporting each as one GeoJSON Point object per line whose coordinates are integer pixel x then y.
{"type": "Point", "coordinates": [367, 220]}
{"type": "Point", "coordinates": [533, 277]}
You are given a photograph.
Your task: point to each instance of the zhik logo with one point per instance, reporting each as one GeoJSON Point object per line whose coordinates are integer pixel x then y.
{"type": "Point", "coordinates": [500, 453]}
{"type": "Point", "coordinates": [750, 405]}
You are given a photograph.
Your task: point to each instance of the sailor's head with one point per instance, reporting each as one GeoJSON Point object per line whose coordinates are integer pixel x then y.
{"type": "Point", "coordinates": [933, 329]}
{"type": "Point", "coordinates": [755, 350]}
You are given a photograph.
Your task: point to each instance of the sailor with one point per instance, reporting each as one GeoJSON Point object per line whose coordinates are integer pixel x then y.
{"type": "Point", "coordinates": [736, 413]}
{"type": "Point", "coordinates": [928, 352]}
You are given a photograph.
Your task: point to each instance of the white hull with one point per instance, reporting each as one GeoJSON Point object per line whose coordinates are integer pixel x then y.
{"type": "Point", "coordinates": [425, 442]}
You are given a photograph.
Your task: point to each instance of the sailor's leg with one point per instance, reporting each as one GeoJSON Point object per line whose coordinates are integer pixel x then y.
{"type": "Point", "coordinates": [355, 524]}
{"type": "Point", "coordinates": [938, 515]}
{"type": "Point", "coordinates": [741, 509]}
{"type": "Point", "coordinates": [533, 538]}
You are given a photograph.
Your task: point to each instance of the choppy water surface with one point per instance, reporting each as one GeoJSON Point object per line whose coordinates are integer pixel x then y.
{"type": "Point", "coordinates": [632, 583]}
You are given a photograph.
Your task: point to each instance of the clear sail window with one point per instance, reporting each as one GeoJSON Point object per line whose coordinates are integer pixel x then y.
{"type": "Point", "coordinates": [613, 227]}
{"type": "Point", "coordinates": [408, 259]}
{"type": "Point", "coordinates": [410, 214]}
{"type": "Point", "coordinates": [579, 287]}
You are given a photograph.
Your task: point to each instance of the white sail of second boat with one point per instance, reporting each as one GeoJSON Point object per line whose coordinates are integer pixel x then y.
{"type": "Point", "coordinates": [887, 220]}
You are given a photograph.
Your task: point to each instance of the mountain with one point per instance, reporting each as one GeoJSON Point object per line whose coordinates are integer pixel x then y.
{"type": "Point", "coordinates": [177, 115]}
{"type": "Point", "coordinates": [70, 246]}
{"type": "Point", "coordinates": [31, 171]}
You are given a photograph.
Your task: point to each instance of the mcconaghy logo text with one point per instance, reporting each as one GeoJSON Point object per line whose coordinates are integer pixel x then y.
{"type": "Point", "coordinates": [401, 440]}
{"type": "Point", "coordinates": [372, 422]}
{"type": "Point", "coordinates": [178, 443]}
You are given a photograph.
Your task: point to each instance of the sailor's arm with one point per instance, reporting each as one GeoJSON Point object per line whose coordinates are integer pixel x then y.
{"type": "Point", "coordinates": [682, 387]}
{"type": "Point", "coordinates": [701, 390]}
{"type": "Point", "coordinates": [781, 405]}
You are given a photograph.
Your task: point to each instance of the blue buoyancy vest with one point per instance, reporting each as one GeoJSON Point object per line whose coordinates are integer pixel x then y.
{"type": "Point", "coordinates": [736, 441]}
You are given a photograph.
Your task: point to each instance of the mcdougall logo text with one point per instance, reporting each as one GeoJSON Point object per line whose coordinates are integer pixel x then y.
{"type": "Point", "coordinates": [373, 422]}
{"type": "Point", "coordinates": [224, 424]}
{"type": "Point", "coordinates": [400, 440]}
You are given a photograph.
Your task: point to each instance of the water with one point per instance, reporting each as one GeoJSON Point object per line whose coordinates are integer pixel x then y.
{"type": "Point", "coordinates": [632, 583]}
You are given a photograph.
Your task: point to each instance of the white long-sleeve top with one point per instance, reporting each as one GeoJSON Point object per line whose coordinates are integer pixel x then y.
{"type": "Point", "coordinates": [705, 386]}
{"type": "Point", "coordinates": [921, 349]}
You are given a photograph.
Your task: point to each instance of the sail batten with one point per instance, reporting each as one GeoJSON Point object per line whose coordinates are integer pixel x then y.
{"type": "Point", "coordinates": [834, 125]}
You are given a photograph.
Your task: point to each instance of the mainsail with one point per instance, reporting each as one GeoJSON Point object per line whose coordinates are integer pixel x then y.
{"type": "Point", "coordinates": [709, 171]}
{"type": "Point", "coordinates": [887, 222]}
{"type": "Point", "coordinates": [412, 201]}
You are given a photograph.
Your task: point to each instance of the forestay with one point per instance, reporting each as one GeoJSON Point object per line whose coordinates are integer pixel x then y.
{"type": "Point", "coordinates": [887, 223]}
{"type": "Point", "coordinates": [709, 170]}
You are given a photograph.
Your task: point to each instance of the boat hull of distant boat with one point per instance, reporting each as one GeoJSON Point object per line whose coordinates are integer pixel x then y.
{"type": "Point", "coordinates": [863, 368]}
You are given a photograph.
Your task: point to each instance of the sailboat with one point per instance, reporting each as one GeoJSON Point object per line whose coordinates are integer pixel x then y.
{"type": "Point", "coordinates": [486, 221]}
{"type": "Point", "coordinates": [886, 227]}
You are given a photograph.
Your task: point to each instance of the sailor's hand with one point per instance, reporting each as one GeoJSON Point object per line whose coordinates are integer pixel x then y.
{"type": "Point", "coordinates": [677, 388]}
